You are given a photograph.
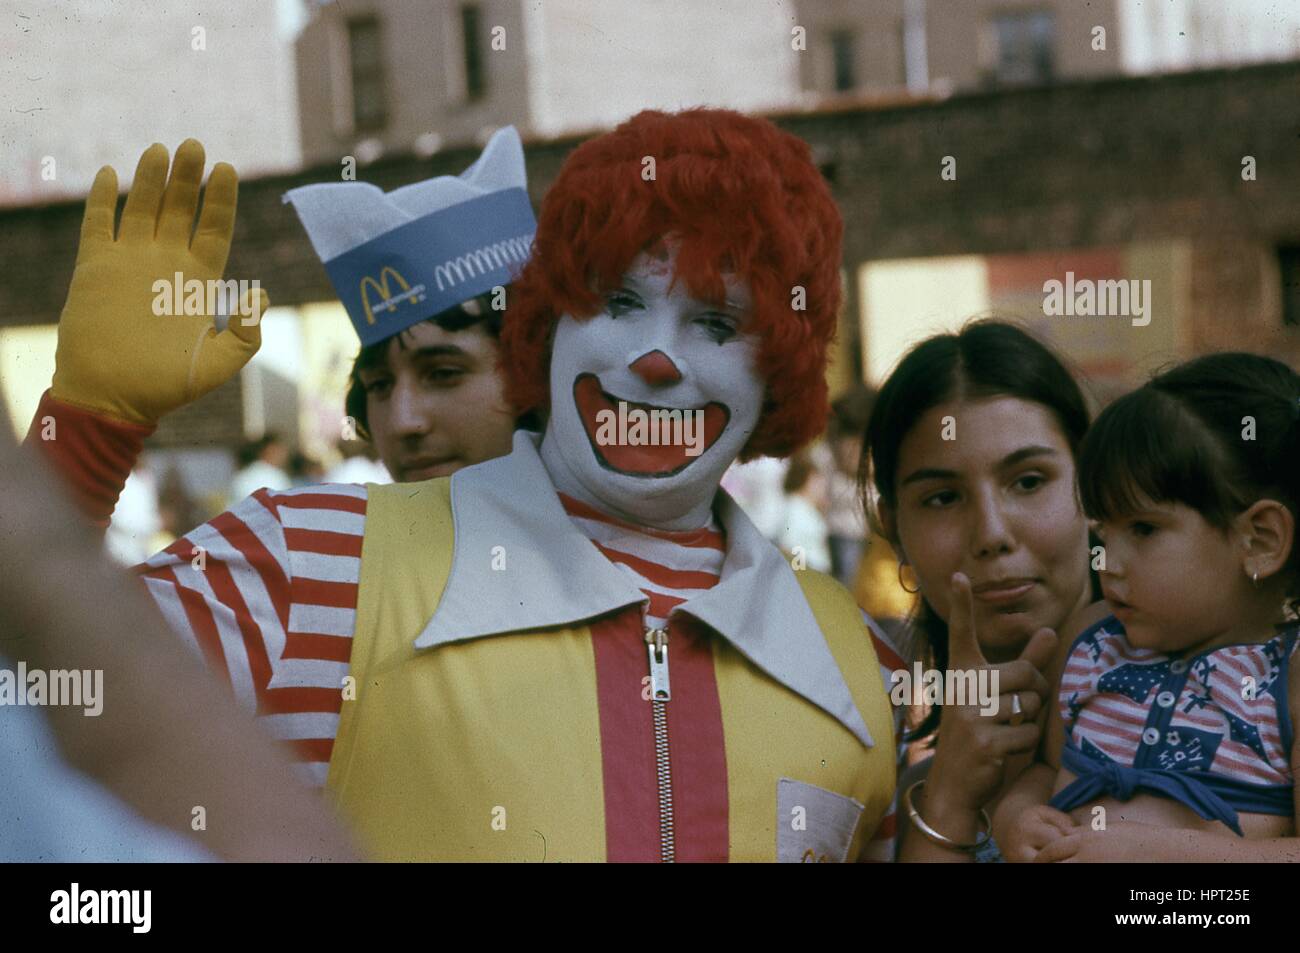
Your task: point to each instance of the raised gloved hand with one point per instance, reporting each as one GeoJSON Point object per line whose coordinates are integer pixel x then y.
{"type": "Point", "coordinates": [116, 355]}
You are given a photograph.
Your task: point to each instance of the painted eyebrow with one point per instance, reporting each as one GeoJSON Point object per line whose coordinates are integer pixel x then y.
{"type": "Point", "coordinates": [1010, 460]}
{"type": "Point", "coordinates": [631, 284]}
{"type": "Point", "coordinates": [730, 306]}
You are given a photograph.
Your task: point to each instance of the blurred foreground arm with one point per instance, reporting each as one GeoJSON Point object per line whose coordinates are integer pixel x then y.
{"type": "Point", "coordinates": [168, 739]}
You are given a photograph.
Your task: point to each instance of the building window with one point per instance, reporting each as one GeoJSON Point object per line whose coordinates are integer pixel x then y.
{"type": "Point", "coordinates": [366, 56]}
{"type": "Point", "coordinates": [472, 44]}
{"type": "Point", "coordinates": [1288, 260]}
{"type": "Point", "coordinates": [1025, 44]}
{"type": "Point", "coordinates": [842, 60]}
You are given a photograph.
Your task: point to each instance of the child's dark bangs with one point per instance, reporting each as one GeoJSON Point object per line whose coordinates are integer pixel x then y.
{"type": "Point", "coordinates": [1131, 454]}
{"type": "Point", "coordinates": [1145, 448]}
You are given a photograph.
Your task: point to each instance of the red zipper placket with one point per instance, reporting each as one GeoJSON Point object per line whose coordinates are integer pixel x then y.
{"type": "Point", "coordinates": [656, 641]}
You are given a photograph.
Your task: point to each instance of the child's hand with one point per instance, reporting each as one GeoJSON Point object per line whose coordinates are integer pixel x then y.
{"type": "Point", "coordinates": [1121, 842]}
{"type": "Point", "coordinates": [1032, 830]}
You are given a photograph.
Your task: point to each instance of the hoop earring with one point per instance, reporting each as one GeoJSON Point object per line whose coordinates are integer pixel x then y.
{"type": "Point", "coordinates": [902, 585]}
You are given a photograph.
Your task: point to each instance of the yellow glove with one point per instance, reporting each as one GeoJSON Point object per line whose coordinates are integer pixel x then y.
{"type": "Point", "coordinates": [116, 355]}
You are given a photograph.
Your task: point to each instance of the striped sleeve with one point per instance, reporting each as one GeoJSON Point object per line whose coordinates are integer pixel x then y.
{"type": "Point", "coordinates": [883, 844]}
{"type": "Point", "coordinates": [266, 595]}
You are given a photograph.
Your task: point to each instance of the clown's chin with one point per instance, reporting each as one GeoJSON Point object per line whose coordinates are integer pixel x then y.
{"type": "Point", "coordinates": [641, 440]}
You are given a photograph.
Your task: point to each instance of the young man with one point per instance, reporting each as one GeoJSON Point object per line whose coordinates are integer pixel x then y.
{"type": "Point", "coordinates": [584, 650]}
{"type": "Point", "coordinates": [424, 273]}
{"type": "Point", "coordinates": [430, 398]}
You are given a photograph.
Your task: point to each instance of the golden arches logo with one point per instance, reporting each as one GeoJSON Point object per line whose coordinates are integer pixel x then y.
{"type": "Point", "coordinates": [383, 291]}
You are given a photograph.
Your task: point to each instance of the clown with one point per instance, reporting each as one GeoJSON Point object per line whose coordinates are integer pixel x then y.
{"type": "Point", "coordinates": [584, 650]}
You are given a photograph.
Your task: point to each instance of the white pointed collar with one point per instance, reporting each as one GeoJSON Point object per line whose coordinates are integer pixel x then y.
{"type": "Point", "coordinates": [520, 564]}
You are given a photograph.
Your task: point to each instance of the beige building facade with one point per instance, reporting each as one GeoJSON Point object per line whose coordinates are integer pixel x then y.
{"type": "Point", "coordinates": [383, 76]}
{"type": "Point", "coordinates": [89, 83]}
{"type": "Point", "coordinates": [942, 46]}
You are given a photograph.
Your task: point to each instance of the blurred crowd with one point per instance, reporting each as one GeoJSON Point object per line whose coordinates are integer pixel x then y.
{"type": "Point", "coordinates": [156, 506]}
{"type": "Point", "coordinates": [811, 506]}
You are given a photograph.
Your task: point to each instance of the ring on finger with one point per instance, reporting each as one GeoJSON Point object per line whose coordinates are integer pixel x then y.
{"type": "Point", "coordinates": [1017, 710]}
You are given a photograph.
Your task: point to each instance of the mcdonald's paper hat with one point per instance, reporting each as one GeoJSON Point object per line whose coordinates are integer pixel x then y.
{"type": "Point", "coordinates": [398, 258]}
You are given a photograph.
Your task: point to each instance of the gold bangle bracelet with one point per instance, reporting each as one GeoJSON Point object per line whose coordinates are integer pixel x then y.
{"type": "Point", "coordinates": [919, 823]}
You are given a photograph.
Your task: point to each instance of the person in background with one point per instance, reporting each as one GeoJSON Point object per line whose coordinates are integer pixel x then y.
{"type": "Point", "coordinates": [756, 485]}
{"type": "Point", "coordinates": [803, 529]}
{"type": "Point", "coordinates": [262, 463]}
{"type": "Point", "coordinates": [430, 400]}
{"type": "Point", "coordinates": [176, 508]}
{"type": "Point", "coordinates": [837, 459]}
{"type": "Point", "coordinates": [305, 470]}
{"type": "Point", "coordinates": [359, 464]}
{"type": "Point", "coordinates": [138, 518]}
{"type": "Point", "coordinates": [425, 389]}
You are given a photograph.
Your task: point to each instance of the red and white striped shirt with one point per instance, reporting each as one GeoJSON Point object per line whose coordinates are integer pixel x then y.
{"type": "Point", "coordinates": [668, 566]}
{"type": "Point", "coordinates": [267, 593]}
{"type": "Point", "coordinates": [1140, 706]}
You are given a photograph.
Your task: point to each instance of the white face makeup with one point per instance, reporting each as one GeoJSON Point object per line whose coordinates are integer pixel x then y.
{"type": "Point", "coordinates": [652, 398]}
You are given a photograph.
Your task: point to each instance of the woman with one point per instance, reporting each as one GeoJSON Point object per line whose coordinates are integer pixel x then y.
{"type": "Point", "coordinates": [970, 457]}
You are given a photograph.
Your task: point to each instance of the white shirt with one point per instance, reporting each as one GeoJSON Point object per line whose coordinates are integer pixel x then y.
{"type": "Point", "coordinates": [256, 475]}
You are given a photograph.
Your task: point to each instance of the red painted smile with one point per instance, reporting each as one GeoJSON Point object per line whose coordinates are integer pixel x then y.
{"type": "Point", "coordinates": [644, 458]}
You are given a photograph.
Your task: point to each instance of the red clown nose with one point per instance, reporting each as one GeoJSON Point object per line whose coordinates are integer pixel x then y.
{"type": "Point", "coordinates": [656, 367]}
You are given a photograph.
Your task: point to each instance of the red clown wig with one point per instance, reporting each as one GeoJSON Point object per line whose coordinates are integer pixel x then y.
{"type": "Point", "coordinates": [739, 196]}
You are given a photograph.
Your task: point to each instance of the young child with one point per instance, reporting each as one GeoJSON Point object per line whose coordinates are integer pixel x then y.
{"type": "Point", "coordinates": [1176, 713]}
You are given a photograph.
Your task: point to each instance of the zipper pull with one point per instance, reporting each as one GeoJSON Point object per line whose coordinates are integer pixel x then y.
{"type": "Point", "coordinates": [656, 642]}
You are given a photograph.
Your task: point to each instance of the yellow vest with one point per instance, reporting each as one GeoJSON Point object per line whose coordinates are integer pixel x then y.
{"type": "Point", "coordinates": [489, 749]}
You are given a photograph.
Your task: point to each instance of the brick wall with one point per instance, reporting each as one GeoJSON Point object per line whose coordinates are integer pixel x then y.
{"type": "Point", "coordinates": [1086, 164]}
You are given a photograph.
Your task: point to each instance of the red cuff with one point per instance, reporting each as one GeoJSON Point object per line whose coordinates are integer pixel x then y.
{"type": "Point", "coordinates": [95, 454]}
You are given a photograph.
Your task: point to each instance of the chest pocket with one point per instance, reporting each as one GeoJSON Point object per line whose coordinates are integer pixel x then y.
{"type": "Point", "coordinates": [813, 825]}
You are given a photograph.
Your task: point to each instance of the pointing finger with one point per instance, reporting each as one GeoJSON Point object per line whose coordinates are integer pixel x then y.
{"type": "Point", "coordinates": [963, 645]}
